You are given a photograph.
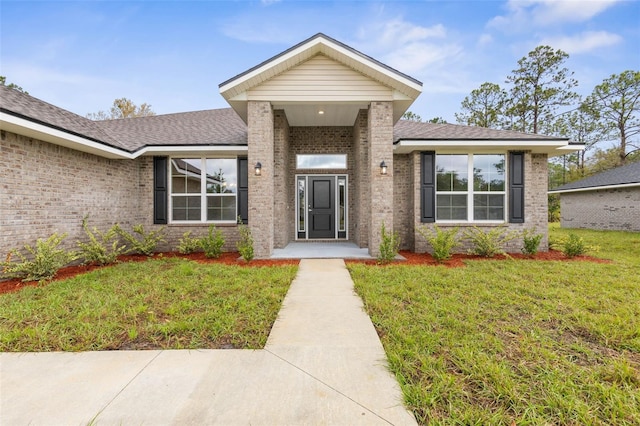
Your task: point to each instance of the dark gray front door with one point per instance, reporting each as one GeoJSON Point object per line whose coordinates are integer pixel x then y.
{"type": "Point", "coordinates": [322, 209]}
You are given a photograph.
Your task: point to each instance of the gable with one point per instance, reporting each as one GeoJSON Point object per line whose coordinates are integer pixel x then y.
{"type": "Point", "coordinates": [321, 74]}
{"type": "Point", "coordinates": [321, 79]}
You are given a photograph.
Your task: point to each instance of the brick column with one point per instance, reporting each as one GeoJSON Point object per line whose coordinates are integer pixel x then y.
{"type": "Point", "coordinates": [380, 126]}
{"type": "Point", "coordinates": [260, 136]}
{"type": "Point", "coordinates": [284, 198]}
{"type": "Point", "coordinates": [361, 214]}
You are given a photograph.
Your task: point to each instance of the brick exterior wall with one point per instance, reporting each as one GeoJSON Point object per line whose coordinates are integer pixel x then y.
{"type": "Point", "coordinates": [607, 209]}
{"type": "Point", "coordinates": [284, 186]}
{"type": "Point", "coordinates": [361, 212]}
{"type": "Point", "coordinates": [403, 196]}
{"type": "Point", "coordinates": [260, 134]}
{"type": "Point", "coordinates": [46, 188]}
{"type": "Point", "coordinates": [380, 134]}
{"type": "Point", "coordinates": [535, 175]}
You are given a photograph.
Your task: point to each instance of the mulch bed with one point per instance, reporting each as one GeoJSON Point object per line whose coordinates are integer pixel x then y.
{"type": "Point", "coordinates": [457, 260]}
{"type": "Point", "coordinates": [233, 258]}
{"type": "Point", "coordinates": [230, 258]}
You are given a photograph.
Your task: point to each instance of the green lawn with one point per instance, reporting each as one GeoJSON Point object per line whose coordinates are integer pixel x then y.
{"type": "Point", "coordinates": [514, 341]}
{"type": "Point", "coordinates": [167, 303]}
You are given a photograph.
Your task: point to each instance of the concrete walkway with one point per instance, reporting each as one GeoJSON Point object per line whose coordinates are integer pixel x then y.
{"type": "Point", "coordinates": [323, 364]}
{"type": "Point", "coordinates": [321, 250]}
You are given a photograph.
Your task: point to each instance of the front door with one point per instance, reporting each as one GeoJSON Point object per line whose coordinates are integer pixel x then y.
{"type": "Point", "coordinates": [322, 208]}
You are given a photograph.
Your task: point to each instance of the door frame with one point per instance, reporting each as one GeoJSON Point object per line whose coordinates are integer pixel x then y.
{"type": "Point", "coordinates": [304, 234]}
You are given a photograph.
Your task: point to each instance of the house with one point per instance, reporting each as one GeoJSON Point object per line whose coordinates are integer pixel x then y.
{"type": "Point", "coordinates": [608, 200]}
{"type": "Point", "coordinates": [312, 148]}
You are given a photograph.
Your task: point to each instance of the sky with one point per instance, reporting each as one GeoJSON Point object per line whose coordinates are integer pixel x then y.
{"type": "Point", "coordinates": [81, 55]}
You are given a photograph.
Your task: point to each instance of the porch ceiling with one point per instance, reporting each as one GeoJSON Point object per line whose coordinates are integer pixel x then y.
{"type": "Point", "coordinates": [319, 114]}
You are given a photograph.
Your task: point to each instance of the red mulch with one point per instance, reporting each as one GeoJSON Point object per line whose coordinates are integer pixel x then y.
{"type": "Point", "coordinates": [457, 260]}
{"type": "Point", "coordinates": [233, 258]}
{"type": "Point", "coordinates": [230, 258]}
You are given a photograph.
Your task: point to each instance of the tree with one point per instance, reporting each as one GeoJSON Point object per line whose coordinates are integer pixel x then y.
{"type": "Point", "coordinates": [484, 107]}
{"type": "Point", "coordinates": [123, 108]}
{"type": "Point", "coordinates": [437, 120]}
{"type": "Point", "coordinates": [581, 126]}
{"type": "Point", "coordinates": [411, 116]}
{"type": "Point", "coordinates": [616, 101]}
{"type": "Point", "coordinates": [3, 82]}
{"type": "Point", "coordinates": [540, 86]}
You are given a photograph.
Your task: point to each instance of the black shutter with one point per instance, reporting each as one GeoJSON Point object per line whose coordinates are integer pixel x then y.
{"type": "Point", "coordinates": [516, 187]}
{"type": "Point", "coordinates": [160, 190]}
{"type": "Point", "coordinates": [427, 186]}
{"type": "Point", "coordinates": [243, 189]}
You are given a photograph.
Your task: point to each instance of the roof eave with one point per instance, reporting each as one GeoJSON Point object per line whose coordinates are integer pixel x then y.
{"type": "Point", "coordinates": [595, 188]}
{"type": "Point", "coordinates": [58, 136]}
{"type": "Point", "coordinates": [553, 147]}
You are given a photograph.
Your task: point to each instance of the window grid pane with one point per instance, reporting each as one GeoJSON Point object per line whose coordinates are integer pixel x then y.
{"type": "Point", "coordinates": [186, 207]}
{"type": "Point", "coordinates": [451, 207]}
{"type": "Point", "coordinates": [221, 207]}
{"type": "Point", "coordinates": [186, 175]}
{"type": "Point", "coordinates": [488, 173]}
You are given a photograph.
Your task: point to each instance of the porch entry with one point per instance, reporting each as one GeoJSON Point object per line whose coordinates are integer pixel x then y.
{"type": "Point", "coordinates": [321, 207]}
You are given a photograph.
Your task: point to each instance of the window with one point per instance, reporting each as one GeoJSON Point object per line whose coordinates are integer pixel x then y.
{"type": "Point", "coordinates": [470, 187]}
{"type": "Point", "coordinates": [204, 189]}
{"type": "Point", "coordinates": [321, 161]}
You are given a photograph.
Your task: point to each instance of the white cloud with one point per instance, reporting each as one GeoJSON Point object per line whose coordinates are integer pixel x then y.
{"type": "Point", "coordinates": [524, 14]}
{"type": "Point", "coordinates": [408, 47]}
{"type": "Point", "coordinates": [484, 40]}
{"type": "Point", "coordinates": [584, 42]}
{"type": "Point", "coordinates": [269, 2]}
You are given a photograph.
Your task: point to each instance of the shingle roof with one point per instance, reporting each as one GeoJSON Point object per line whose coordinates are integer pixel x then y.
{"type": "Point", "coordinates": [414, 130]}
{"type": "Point", "coordinates": [209, 127]}
{"type": "Point", "coordinates": [26, 106]}
{"type": "Point", "coordinates": [624, 175]}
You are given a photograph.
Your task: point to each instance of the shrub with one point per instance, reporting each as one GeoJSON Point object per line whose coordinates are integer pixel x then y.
{"type": "Point", "coordinates": [212, 243]}
{"type": "Point", "coordinates": [46, 260]}
{"type": "Point", "coordinates": [388, 246]}
{"type": "Point", "coordinates": [574, 245]}
{"type": "Point", "coordinates": [103, 248]}
{"type": "Point", "coordinates": [531, 242]}
{"type": "Point", "coordinates": [442, 242]}
{"type": "Point", "coordinates": [245, 244]}
{"type": "Point", "coordinates": [145, 243]}
{"type": "Point", "coordinates": [488, 243]}
{"type": "Point", "coordinates": [188, 244]}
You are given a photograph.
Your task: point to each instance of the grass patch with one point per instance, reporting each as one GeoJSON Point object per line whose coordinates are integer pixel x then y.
{"type": "Point", "coordinates": [514, 341]}
{"type": "Point", "coordinates": [166, 303]}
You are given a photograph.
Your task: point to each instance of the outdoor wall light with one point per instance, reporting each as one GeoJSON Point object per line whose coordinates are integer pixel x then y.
{"type": "Point", "coordinates": [383, 168]}
{"type": "Point", "coordinates": [258, 168]}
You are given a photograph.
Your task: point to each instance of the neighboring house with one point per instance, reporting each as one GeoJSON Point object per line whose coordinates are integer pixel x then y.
{"type": "Point", "coordinates": [608, 200]}
{"type": "Point", "coordinates": [312, 148]}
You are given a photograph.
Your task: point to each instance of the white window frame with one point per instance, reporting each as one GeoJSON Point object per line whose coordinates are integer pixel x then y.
{"type": "Point", "coordinates": [204, 195]}
{"type": "Point", "coordinates": [343, 157]}
{"type": "Point", "coordinates": [470, 191]}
